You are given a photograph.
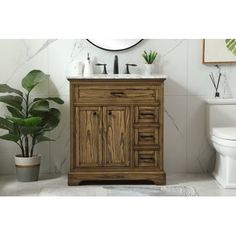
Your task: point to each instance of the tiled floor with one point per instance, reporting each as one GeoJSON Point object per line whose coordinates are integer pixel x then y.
{"type": "Point", "coordinates": [204, 184]}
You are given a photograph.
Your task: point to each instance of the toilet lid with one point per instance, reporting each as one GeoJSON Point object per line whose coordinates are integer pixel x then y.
{"type": "Point", "coordinates": [225, 133]}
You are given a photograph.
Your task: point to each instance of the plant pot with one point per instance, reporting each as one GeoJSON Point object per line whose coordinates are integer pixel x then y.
{"type": "Point", "coordinates": [149, 68]}
{"type": "Point", "coordinates": [27, 168]}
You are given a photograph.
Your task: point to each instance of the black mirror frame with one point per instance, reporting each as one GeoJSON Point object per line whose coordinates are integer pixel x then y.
{"type": "Point", "coordinates": [114, 50]}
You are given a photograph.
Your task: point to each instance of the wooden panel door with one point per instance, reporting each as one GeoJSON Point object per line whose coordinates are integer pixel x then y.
{"type": "Point", "coordinates": [116, 122]}
{"type": "Point", "coordinates": [88, 136]}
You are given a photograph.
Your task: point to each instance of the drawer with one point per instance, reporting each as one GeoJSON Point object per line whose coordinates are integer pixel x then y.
{"type": "Point", "coordinates": [147, 158]}
{"type": "Point", "coordinates": [147, 114]}
{"type": "Point", "coordinates": [146, 136]}
{"type": "Point", "coordinates": [116, 94]}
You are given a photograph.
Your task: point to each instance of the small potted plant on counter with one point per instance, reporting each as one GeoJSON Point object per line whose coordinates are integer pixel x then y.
{"type": "Point", "coordinates": [28, 121]}
{"type": "Point", "coordinates": [149, 59]}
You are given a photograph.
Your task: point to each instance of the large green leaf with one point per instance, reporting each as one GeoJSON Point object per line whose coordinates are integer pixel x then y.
{"type": "Point", "coordinates": [50, 119]}
{"type": "Point", "coordinates": [31, 130]}
{"type": "Point", "coordinates": [15, 112]}
{"type": "Point", "coordinates": [10, 137]}
{"type": "Point", "coordinates": [54, 99]}
{"type": "Point", "coordinates": [6, 124]}
{"type": "Point", "coordinates": [14, 101]}
{"type": "Point", "coordinates": [39, 105]}
{"type": "Point", "coordinates": [4, 88]}
{"type": "Point", "coordinates": [42, 138]}
{"type": "Point", "coordinates": [28, 122]}
{"type": "Point", "coordinates": [231, 45]}
{"type": "Point", "coordinates": [33, 78]}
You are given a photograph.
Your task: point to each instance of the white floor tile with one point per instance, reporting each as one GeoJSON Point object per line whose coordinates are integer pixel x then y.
{"type": "Point", "coordinates": [204, 184]}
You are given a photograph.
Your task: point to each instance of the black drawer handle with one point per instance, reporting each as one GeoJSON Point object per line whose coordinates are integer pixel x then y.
{"type": "Point", "coordinates": [94, 113]}
{"type": "Point", "coordinates": [146, 159]}
{"type": "Point", "coordinates": [147, 114]}
{"type": "Point", "coordinates": [117, 94]}
{"type": "Point", "coordinates": [149, 137]}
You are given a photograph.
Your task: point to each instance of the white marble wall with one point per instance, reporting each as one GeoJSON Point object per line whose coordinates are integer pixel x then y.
{"type": "Point", "coordinates": [188, 85]}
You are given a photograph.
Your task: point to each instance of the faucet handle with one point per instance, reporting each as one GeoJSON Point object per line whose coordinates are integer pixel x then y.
{"type": "Point", "coordinates": [104, 67]}
{"type": "Point", "coordinates": [127, 68]}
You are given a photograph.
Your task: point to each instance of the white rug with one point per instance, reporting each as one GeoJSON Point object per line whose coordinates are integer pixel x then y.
{"type": "Point", "coordinates": [120, 190]}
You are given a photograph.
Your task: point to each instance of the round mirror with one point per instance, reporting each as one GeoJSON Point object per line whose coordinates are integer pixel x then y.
{"type": "Point", "coordinates": [114, 44]}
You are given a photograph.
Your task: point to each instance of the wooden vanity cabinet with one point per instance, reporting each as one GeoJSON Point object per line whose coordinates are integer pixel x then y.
{"type": "Point", "coordinates": [116, 130]}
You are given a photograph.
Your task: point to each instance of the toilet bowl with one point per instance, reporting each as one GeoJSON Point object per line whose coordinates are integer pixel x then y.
{"type": "Point", "coordinates": [221, 126]}
{"type": "Point", "coordinates": [224, 142]}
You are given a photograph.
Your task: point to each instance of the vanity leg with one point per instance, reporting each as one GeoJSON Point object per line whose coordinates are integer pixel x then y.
{"type": "Point", "coordinates": [73, 180]}
{"type": "Point", "coordinates": [161, 180]}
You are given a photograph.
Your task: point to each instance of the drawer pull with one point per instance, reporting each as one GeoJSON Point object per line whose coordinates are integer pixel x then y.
{"type": "Point", "coordinates": [147, 137]}
{"type": "Point", "coordinates": [95, 113]}
{"type": "Point", "coordinates": [147, 114]}
{"type": "Point", "coordinates": [117, 94]}
{"type": "Point", "coordinates": [146, 159]}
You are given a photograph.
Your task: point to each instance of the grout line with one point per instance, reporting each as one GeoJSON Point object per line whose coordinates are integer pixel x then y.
{"type": "Point", "coordinates": [176, 46]}
{"type": "Point", "coordinates": [50, 156]}
{"type": "Point", "coordinates": [187, 103]}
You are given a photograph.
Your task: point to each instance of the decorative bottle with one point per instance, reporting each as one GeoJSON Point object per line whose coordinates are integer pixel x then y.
{"type": "Point", "coordinates": [88, 67]}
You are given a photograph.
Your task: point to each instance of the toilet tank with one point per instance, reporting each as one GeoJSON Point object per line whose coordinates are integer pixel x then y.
{"type": "Point", "coordinates": [221, 113]}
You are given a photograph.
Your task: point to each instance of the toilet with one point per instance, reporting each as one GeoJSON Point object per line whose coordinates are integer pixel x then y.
{"type": "Point", "coordinates": [221, 127]}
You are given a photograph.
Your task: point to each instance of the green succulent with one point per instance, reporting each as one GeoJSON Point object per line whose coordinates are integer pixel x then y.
{"type": "Point", "coordinates": [231, 45]}
{"type": "Point", "coordinates": [149, 57]}
{"type": "Point", "coordinates": [29, 119]}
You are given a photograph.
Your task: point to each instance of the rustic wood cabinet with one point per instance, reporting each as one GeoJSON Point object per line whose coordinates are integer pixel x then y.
{"type": "Point", "coordinates": [116, 130]}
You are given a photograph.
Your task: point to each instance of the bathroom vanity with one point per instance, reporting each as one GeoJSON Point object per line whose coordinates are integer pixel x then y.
{"type": "Point", "coordinates": [116, 128]}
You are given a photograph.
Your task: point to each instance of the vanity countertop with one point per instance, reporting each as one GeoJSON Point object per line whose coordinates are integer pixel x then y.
{"type": "Point", "coordinates": [119, 76]}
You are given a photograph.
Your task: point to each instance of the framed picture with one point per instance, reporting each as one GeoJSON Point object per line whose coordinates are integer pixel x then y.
{"type": "Point", "coordinates": [219, 51]}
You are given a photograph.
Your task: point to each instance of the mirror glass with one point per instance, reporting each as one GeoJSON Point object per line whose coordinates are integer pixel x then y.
{"type": "Point", "coordinates": [114, 44]}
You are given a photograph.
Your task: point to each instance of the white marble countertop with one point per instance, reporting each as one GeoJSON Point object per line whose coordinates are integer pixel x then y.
{"type": "Point", "coordinates": [119, 76]}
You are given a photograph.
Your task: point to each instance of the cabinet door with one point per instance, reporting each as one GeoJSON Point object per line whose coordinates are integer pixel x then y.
{"type": "Point", "coordinates": [116, 121]}
{"type": "Point", "coordinates": [88, 136]}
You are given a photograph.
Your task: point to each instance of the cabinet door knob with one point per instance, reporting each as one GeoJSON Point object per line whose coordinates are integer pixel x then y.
{"type": "Point", "coordinates": [94, 113]}
{"type": "Point", "coordinates": [109, 113]}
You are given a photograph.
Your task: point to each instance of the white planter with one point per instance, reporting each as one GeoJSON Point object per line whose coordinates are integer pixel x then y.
{"type": "Point", "coordinates": [27, 161]}
{"type": "Point", "coordinates": [27, 168]}
{"type": "Point", "coordinates": [149, 69]}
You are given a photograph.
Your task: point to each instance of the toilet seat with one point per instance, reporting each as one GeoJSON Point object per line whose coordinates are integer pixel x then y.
{"type": "Point", "coordinates": [223, 142]}
{"type": "Point", "coordinates": [227, 133]}
{"type": "Point", "coordinates": [225, 136]}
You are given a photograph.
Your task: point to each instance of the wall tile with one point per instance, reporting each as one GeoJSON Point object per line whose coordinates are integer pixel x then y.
{"type": "Point", "coordinates": [174, 64]}
{"type": "Point", "coordinates": [60, 53]}
{"type": "Point", "coordinates": [199, 82]}
{"type": "Point", "coordinates": [60, 148]}
{"type": "Point", "coordinates": [199, 151]}
{"type": "Point", "coordinates": [175, 134]}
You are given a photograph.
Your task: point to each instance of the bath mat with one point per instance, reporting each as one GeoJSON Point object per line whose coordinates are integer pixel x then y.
{"type": "Point", "coordinates": [120, 190]}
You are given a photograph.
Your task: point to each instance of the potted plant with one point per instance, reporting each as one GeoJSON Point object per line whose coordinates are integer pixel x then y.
{"type": "Point", "coordinates": [27, 122]}
{"type": "Point", "coordinates": [149, 59]}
